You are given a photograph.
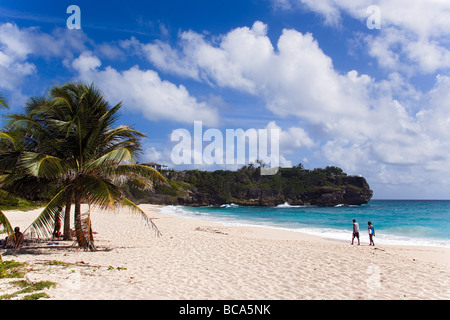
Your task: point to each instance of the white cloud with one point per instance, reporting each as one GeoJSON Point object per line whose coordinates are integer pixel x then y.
{"type": "Point", "coordinates": [144, 91]}
{"type": "Point", "coordinates": [366, 126]}
{"type": "Point", "coordinates": [20, 46]}
{"type": "Point", "coordinates": [414, 35]}
{"type": "Point", "coordinates": [14, 40]}
{"type": "Point", "coordinates": [397, 49]}
{"type": "Point", "coordinates": [152, 155]}
{"type": "Point", "coordinates": [110, 51]}
{"type": "Point", "coordinates": [401, 148]}
{"type": "Point", "coordinates": [168, 59]}
{"type": "Point", "coordinates": [86, 63]}
{"type": "Point", "coordinates": [385, 129]}
{"type": "Point", "coordinates": [423, 17]}
{"type": "Point", "coordinates": [297, 79]}
{"type": "Point", "coordinates": [199, 60]}
{"type": "Point", "coordinates": [25, 42]}
{"type": "Point", "coordinates": [13, 54]}
{"type": "Point", "coordinates": [292, 139]}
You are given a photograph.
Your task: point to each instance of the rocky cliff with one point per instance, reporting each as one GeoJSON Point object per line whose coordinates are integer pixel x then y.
{"type": "Point", "coordinates": [246, 186]}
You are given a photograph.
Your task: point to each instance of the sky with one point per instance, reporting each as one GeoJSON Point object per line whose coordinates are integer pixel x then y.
{"type": "Point", "coordinates": [363, 84]}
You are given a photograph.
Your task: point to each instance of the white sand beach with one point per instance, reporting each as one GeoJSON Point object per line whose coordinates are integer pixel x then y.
{"type": "Point", "coordinates": [195, 259]}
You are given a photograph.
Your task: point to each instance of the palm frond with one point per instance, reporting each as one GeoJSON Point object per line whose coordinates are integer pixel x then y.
{"type": "Point", "coordinates": [134, 183]}
{"type": "Point", "coordinates": [3, 102]}
{"type": "Point", "coordinates": [44, 223]}
{"type": "Point", "coordinates": [5, 224]}
{"type": "Point", "coordinates": [133, 146]}
{"type": "Point", "coordinates": [36, 106]}
{"type": "Point", "coordinates": [115, 156]}
{"type": "Point", "coordinates": [8, 179]}
{"type": "Point", "coordinates": [110, 116]}
{"type": "Point", "coordinates": [123, 132]}
{"type": "Point", "coordinates": [41, 165]}
{"type": "Point", "coordinates": [26, 124]}
{"type": "Point", "coordinates": [136, 171]}
{"type": "Point", "coordinates": [135, 208]}
{"type": "Point", "coordinates": [22, 121]}
{"type": "Point", "coordinates": [99, 191]}
{"type": "Point", "coordinates": [62, 100]}
{"type": "Point", "coordinates": [9, 137]}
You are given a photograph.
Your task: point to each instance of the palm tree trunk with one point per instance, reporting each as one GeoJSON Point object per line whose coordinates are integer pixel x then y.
{"type": "Point", "coordinates": [67, 233]}
{"type": "Point", "coordinates": [90, 235]}
{"type": "Point", "coordinates": [78, 223]}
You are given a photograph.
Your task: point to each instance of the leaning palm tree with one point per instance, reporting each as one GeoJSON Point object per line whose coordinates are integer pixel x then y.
{"type": "Point", "coordinates": [78, 148]}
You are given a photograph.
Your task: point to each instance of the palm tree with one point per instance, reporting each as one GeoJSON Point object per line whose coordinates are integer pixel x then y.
{"type": "Point", "coordinates": [3, 220]}
{"type": "Point", "coordinates": [35, 132]}
{"type": "Point", "coordinates": [74, 144]}
{"type": "Point", "coordinates": [12, 144]}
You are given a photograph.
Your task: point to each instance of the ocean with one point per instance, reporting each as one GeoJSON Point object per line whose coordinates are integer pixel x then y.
{"type": "Point", "coordinates": [398, 222]}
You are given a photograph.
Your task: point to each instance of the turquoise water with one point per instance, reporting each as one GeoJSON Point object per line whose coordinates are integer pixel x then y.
{"type": "Point", "coordinates": [396, 222]}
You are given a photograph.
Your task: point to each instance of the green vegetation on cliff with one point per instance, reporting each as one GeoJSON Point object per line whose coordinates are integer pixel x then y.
{"type": "Point", "coordinates": [246, 186]}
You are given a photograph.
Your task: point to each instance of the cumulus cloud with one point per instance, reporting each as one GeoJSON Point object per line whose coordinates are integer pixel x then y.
{"type": "Point", "coordinates": [423, 17]}
{"type": "Point", "coordinates": [295, 78]}
{"type": "Point", "coordinates": [413, 36]}
{"type": "Point", "coordinates": [364, 125]}
{"type": "Point", "coordinates": [144, 91]}
{"type": "Point", "coordinates": [199, 60]}
{"type": "Point", "coordinates": [20, 46]}
{"type": "Point", "coordinates": [385, 129]}
{"type": "Point", "coordinates": [292, 139]}
{"type": "Point", "coordinates": [13, 55]}
{"type": "Point", "coordinates": [402, 139]}
{"type": "Point", "coordinates": [400, 148]}
{"type": "Point", "coordinates": [26, 42]}
{"type": "Point", "coordinates": [86, 63]}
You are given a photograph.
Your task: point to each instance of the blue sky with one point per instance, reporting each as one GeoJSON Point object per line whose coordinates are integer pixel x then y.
{"type": "Point", "coordinates": [375, 102]}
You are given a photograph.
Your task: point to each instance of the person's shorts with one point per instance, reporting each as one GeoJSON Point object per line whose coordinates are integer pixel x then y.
{"type": "Point", "coordinates": [356, 234]}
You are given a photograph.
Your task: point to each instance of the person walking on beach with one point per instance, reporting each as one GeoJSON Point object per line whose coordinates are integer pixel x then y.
{"type": "Point", "coordinates": [371, 233]}
{"type": "Point", "coordinates": [355, 231]}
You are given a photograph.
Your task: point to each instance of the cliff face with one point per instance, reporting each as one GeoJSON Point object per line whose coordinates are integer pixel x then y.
{"type": "Point", "coordinates": [248, 187]}
{"type": "Point", "coordinates": [351, 191]}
